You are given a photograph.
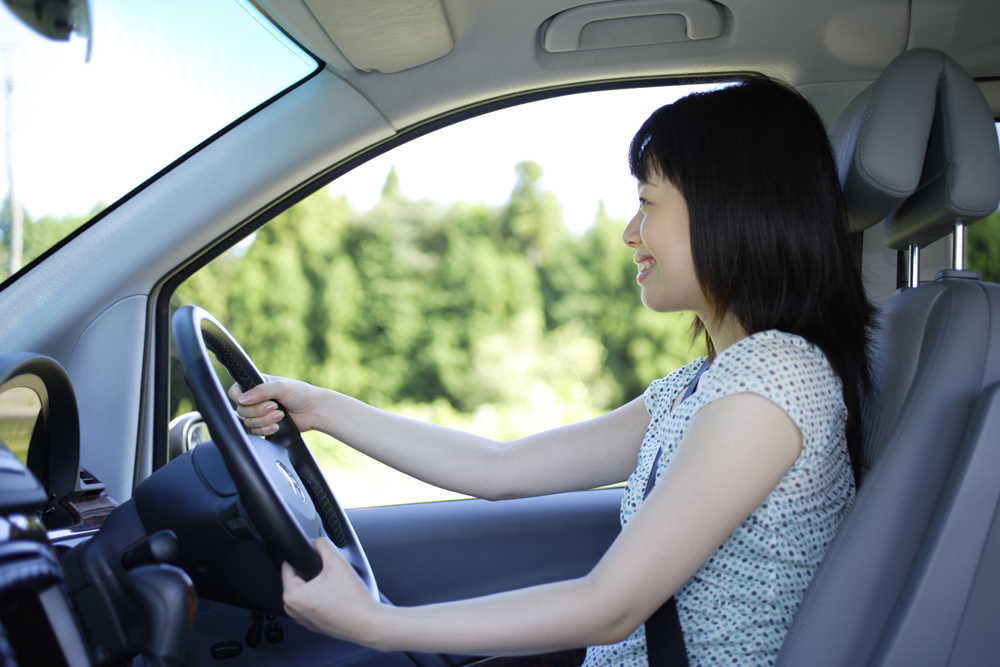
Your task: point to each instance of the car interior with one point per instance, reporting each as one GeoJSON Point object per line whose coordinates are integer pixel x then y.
{"type": "Point", "coordinates": [126, 541]}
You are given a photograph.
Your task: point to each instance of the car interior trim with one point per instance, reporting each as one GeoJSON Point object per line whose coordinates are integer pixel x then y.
{"type": "Point", "coordinates": [930, 612]}
{"type": "Point", "coordinates": [386, 35]}
{"type": "Point", "coordinates": [703, 20]}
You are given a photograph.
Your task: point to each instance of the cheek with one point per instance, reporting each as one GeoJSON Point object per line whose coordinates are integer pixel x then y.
{"type": "Point", "coordinates": [673, 285]}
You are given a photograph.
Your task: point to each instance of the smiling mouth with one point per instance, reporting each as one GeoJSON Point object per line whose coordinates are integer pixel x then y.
{"type": "Point", "coordinates": [645, 265]}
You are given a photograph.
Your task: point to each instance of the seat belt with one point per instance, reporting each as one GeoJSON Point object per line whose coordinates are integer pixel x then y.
{"type": "Point", "coordinates": [664, 639]}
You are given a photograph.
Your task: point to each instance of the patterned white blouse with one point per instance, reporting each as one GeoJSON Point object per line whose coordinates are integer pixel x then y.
{"type": "Point", "coordinates": [737, 608]}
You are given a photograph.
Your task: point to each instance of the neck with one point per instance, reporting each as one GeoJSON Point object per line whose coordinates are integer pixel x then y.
{"type": "Point", "coordinates": [724, 332]}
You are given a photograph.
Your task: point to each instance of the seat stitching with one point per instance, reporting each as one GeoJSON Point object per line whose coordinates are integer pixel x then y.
{"type": "Point", "coordinates": [949, 154]}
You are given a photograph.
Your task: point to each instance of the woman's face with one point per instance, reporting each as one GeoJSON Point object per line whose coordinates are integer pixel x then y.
{"type": "Point", "coordinates": [661, 238]}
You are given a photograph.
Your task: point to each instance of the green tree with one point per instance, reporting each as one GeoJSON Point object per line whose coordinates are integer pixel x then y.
{"type": "Point", "coordinates": [475, 305]}
{"type": "Point", "coordinates": [593, 282]}
{"type": "Point", "coordinates": [37, 235]}
{"type": "Point", "coordinates": [982, 247]}
{"type": "Point", "coordinates": [532, 221]}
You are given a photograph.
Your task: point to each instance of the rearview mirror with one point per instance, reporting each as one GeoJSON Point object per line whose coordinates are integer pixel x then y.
{"type": "Point", "coordinates": [55, 19]}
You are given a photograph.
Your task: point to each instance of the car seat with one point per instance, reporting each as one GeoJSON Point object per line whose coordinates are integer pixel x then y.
{"type": "Point", "coordinates": [913, 576]}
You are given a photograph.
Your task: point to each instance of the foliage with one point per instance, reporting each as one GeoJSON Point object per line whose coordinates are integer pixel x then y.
{"type": "Point", "coordinates": [471, 306]}
{"type": "Point", "coordinates": [982, 247]}
{"type": "Point", "coordinates": [37, 235]}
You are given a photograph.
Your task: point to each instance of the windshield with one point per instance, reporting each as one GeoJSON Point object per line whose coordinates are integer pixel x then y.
{"type": "Point", "coordinates": [162, 77]}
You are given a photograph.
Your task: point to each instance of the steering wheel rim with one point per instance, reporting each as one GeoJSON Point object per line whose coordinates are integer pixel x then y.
{"type": "Point", "coordinates": [288, 505]}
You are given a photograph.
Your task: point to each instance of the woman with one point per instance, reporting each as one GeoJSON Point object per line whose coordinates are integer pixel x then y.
{"type": "Point", "coordinates": [741, 221]}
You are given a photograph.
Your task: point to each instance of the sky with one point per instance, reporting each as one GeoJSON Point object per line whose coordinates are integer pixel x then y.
{"type": "Point", "coordinates": [162, 78]}
{"type": "Point", "coordinates": [581, 141]}
{"type": "Point", "coordinates": [89, 132]}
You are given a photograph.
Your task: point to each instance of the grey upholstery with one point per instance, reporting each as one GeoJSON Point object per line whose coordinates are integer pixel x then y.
{"type": "Point", "coordinates": [924, 627]}
{"type": "Point", "coordinates": [873, 138]}
{"type": "Point", "coordinates": [961, 175]}
{"type": "Point", "coordinates": [898, 583]}
{"type": "Point", "coordinates": [917, 147]}
{"type": "Point", "coordinates": [936, 354]}
{"type": "Point", "coordinates": [427, 553]}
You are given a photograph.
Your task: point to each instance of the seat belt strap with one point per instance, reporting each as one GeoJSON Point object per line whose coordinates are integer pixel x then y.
{"type": "Point", "coordinates": [664, 638]}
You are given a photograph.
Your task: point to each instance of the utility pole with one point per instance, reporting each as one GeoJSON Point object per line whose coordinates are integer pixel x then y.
{"type": "Point", "coordinates": [16, 215]}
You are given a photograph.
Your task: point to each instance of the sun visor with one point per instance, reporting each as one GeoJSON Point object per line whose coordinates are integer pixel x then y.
{"type": "Point", "coordinates": [386, 35]}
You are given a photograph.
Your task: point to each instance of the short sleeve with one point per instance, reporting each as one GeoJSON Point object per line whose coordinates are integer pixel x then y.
{"type": "Point", "coordinates": [738, 606]}
{"type": "Point", "coordinates": [789, 371]}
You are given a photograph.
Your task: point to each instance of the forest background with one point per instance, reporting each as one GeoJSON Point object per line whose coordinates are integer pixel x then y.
{"type": "Point", "coordinates": [494, 319]}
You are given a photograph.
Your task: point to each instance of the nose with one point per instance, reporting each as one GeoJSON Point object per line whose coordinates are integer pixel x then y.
{"type": "Point", "coordinates": [630, 236]}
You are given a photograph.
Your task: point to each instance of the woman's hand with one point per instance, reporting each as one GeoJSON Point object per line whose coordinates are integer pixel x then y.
{"type": "Point", "coordinates": [259, 407]}
{"type": "Point", "coordinates": [335, 602]}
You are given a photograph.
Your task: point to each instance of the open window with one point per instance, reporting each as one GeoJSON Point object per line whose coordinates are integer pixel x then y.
{"type": "Point", "coordinates": [474, 277]}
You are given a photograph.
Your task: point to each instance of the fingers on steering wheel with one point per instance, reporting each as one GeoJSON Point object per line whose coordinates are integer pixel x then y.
{"type": "Point", "coordinates": [260, 418]}
{"type": "Point", "coordinates": [262, 421]}
{"type": "Point", "coordinates": [250, 409]}
{"type": "Point", "coordinates": [263, 425]}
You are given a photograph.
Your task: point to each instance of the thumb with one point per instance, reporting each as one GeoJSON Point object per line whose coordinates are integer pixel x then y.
{"type": "Point", "coordinates": [289, 577]}
{"type": "Point", "coordinates": [262, 392]}
{"type": "Point", "coordinates": [327, 552]}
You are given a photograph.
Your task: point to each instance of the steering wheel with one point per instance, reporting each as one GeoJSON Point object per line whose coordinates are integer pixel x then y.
{"type": "Point", "coordinates": [280, 485]}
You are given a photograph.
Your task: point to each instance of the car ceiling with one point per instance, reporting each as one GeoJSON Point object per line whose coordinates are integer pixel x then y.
{"type": "Point", "coordinates": [822, 47]}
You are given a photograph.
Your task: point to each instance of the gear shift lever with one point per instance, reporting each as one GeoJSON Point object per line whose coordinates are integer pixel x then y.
{"type": "Point", "coordinates": [165, 599]}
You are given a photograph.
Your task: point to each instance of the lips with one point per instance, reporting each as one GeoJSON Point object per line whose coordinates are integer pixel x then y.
{"type": "Point", "coordinates": [644, 264]}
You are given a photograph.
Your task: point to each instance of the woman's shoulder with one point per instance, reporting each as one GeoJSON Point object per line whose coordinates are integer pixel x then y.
{"type": "Point", "coordinates": [772, 352]}
{"type": "Point", "coordinates": [781, 366]}
{"type": "Point", "coordinates": [794, 374]}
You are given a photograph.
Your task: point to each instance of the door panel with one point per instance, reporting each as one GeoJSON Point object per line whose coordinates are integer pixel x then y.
{"type": "Point", "coordinates": [432, 552]}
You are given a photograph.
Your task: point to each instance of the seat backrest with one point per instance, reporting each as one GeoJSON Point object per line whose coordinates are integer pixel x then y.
{"type": "Point", "coordinates": [910, 148]}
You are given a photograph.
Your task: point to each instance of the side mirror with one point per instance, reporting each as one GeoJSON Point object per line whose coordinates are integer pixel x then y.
{"type": "Point", "coordinates": [187, 431]}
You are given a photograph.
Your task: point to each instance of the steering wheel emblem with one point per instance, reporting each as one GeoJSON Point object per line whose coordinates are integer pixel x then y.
{"type": "Point", "coordinates": [292, 482]}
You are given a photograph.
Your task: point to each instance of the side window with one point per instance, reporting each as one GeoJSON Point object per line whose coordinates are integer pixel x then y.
{"type": "Point", "coordinates": [19, 409]}
{"type": "Point", "coordinates": [474, 277]}
{"type": "Point", "coordinates": [982, 245]}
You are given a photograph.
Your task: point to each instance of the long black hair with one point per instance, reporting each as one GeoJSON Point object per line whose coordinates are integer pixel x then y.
{"type": "Point", "coordinates": [768, 222]}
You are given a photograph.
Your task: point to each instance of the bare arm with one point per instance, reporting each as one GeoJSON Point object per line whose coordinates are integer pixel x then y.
{"type": "Point", "coordinates": [734, 453]}
{"type": "Point", "coordinates": [579, 456]}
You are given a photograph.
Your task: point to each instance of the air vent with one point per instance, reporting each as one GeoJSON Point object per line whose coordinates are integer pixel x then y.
{"type": "Point", "coordinates": [89, 483]}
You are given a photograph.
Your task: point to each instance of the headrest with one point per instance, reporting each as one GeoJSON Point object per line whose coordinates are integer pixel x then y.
{"type": "Point", "coordinates": [918, 148]}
